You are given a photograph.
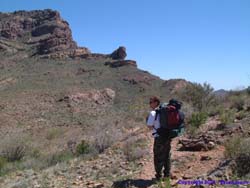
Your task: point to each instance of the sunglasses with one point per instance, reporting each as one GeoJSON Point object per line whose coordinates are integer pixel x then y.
{"type": "Point", "coordinates": [150, 102]}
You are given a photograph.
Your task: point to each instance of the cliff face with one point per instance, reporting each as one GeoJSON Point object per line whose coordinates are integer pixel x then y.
{"type": "Point", "coordinates": [44, 30]}
{"type": "Point", "coordinates": [45, 34]}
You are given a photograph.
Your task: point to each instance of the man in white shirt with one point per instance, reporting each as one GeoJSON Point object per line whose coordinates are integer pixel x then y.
{"type": "Point", "coordinates": [162, 145]}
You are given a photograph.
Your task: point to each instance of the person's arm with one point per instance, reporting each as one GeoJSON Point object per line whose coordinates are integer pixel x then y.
{"type": "Point", "coordinates": [151, 120]}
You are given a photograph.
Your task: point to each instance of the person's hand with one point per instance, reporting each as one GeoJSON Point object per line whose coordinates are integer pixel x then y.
{"type": "Point", "coordinates": [147, 118]}
{"type": "Point", "coordinates": [150, 127]}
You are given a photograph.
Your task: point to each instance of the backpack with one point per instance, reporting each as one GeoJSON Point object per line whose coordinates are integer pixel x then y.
{"type": "Point", "coordinates": [171, 119]}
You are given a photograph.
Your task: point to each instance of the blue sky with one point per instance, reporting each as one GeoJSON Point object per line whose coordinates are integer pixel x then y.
{"type": "Point", "coordinates": [198, 40]}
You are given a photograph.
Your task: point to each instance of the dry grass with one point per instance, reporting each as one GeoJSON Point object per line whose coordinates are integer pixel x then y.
{"type": "Point", "coordinates": [238, 148]}
{"type": "Point", "coordinates": [134, 148]}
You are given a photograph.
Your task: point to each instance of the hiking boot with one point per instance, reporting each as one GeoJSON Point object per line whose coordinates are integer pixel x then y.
{"type": "Point", "coordinates": [166, 176]}
{"type": "Point", "coordinates": [170, 176]}
{"type": "Point", "coordinates": [157, 176]}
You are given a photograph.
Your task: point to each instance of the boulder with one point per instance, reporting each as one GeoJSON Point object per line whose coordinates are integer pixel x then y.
{"type": "Point", "coordinates": [99, 97]}
{"type": "Point", "coordinates": [119, 53]}
{"type": "Point", "coordinates": [201, 143]}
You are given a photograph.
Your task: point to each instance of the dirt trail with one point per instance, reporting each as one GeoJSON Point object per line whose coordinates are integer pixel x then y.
{"type": "Point", "coordinates": [185, 165]}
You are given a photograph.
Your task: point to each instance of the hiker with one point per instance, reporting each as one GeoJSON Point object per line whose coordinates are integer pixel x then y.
{"type": "Point", "coordinates": [162, 145]}
{"type": "Point", "coordinates": [163, 130]}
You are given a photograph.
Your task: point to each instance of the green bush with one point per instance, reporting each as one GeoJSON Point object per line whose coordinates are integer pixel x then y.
{"type": "Point", "coordinates": [59, 157]}
{"type": "Point", "coordinates": [14, 152]}
{"type": "Point", "coordinates": [238, 102]}
{"type": "Point", "coordinates": [200, 96]}
{"type": "Point", "coordinates": [198, 119]}
{"type": "Point", "coordinates": [195, 121]}
{"type": "Point", "coordinates": [241, 115]}
{"type": "Point", "coordinates": [233, 147]}
{"type": "Point", "coordinates": [3, 162]}
{"type": "Point", "coordinates": [238, 149]}
{"type": "Point", "coordinates": [214, 110]}
{"type": "Point", "coordinates": [82, 148]}
{"type": "Point", "coordinates": [226, 116]}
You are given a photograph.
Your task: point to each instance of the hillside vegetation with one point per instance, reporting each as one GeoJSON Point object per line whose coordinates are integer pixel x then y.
{"type": "Point", "coordinates": [69, 117]}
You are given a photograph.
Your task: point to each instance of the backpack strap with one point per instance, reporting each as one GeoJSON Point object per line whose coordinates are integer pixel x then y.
{"type": "Point", "coordinates": [157, 112]}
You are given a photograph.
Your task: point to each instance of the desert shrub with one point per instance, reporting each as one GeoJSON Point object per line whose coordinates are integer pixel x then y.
{"type": "Point", "coordinates": [134, 148]}
{"type": "Point", "coordinates": [200, 96]}
{"type": "Point", "coordinates": [34, 152]}
{"type": "Point", "coordinates": [14, 153]}
{"type": "Point", "coordinates": [104, 137]}
{"type": "Point", "coordinates": [13, 149]}
{"type": "Point", "coordinates": [103, 141]}
{"type": "Point", "coordinates": [188, 110]}
{"type": "Point", "coordinates": [136, 153]}
{"type": "Point", "coordinates": [238, 149]}
{"type": "Point", "coordinates": [241, 115]}
{"type": "Point", "coordinates": [3, 162]}
{"type": "Point", "coordinates": [238, 102]}
{"type": "Point", "coordinates": [232, 147]}
{"type": "Point", "coordinates": [82, 148]}
{"type": "Point", "coordinates": [226, 116]}
{"type": "Point", "coordinates": [214, 110]}
{"type": "Point", "coordinates": [53, 159]}
{"type": "Point", "coordinates": [197, 119]}
{"type": "Point", "coordinates": [52, 133]}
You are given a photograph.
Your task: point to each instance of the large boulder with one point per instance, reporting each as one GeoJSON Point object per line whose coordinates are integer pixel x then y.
{"type": "Point", "coordinates": [202, 142]}
{"type": "Point", "coordinates": [119, 54]}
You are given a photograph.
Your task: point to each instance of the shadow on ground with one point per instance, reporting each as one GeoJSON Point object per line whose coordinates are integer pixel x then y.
{"type": "Point", "coordinates": [141, 183]}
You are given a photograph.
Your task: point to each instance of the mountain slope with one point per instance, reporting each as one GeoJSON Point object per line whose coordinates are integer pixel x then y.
{"type": "Point", "coordinates": [55, 94]}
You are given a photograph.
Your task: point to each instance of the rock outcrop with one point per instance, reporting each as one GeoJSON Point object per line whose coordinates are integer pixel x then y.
{"type": "Point", "coordinates": [139, 78]}
{"type": "Point", "coordinates": [174, 85]}
{"type": "Point", "coordinates": [45, 34]}
{"type": "Point", "coordinates": [201, 143]}
{"type": "Point", "coordinates": [119, 54]}
{"type": "Point", "coordinates": [100, 97]}
{"type": "Point", "coordinates": [120, 63]}
{"type": "Point", "coordinates": [43, 30]}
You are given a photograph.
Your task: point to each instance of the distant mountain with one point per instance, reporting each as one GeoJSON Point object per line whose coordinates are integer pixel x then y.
{"type": "Point", "coordinates": [221, 93]}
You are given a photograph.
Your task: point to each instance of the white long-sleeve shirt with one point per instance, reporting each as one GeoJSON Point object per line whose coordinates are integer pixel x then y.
{"type": "Point", "coordinates": [151, 122]}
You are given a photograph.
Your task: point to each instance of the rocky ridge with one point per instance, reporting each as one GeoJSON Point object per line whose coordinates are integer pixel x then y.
{"type": "Point", "coordinates": [47, 35]}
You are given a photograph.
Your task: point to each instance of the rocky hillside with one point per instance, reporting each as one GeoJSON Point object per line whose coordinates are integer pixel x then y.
{"type": "Point", "coordinates": [55, 94]}
{"type": "Point", "coordinates": [45, 33]}
{"type": "Point", "coordinates": [72, 118]}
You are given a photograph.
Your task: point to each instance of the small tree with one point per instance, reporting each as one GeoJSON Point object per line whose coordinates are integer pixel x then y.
{"type": "Point", "coordinates": [200, 96]}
